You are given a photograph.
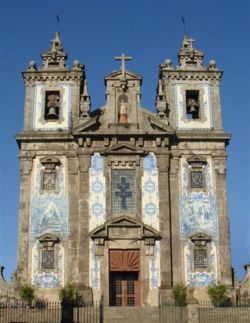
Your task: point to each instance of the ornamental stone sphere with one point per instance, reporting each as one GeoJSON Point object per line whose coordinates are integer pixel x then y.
{"type": "Point", "coordinates": [212, 63]}
{"type": "Point", "coordinates": [76, 63]}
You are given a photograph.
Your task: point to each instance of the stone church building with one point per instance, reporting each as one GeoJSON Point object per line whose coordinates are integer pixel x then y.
{"type": "Point", "coordinates": [122, 202]}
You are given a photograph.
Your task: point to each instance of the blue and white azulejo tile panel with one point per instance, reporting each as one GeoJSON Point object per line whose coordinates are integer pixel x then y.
{"type": "Point", "coordinates": [200, 279]}
{"type": "Point", "coordinates": [198, 214]}
{"type": "Point", "coordinates": [44, 279]}
{"type": "Point", "coordinates": [97, 192]}
{"type": "Point", "coordinates": [154, 268]}
{"type": "Point", "coordinates": [48, 214]}
{"type": "Point", "coordinates": [48, 211]}
{"type": "Point", "coordinates": [150, 192]}
{"type": "Point", "coordinates": [94, 267]}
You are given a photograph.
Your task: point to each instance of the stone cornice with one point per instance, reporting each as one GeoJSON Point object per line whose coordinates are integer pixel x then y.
{"type": "Point", "coordinates": [43, 76]}
{"type": "Point", "coordinates": [186, 75]}
{"type": "Point", "coordinates": [43, 136]}
{"type": "Point", "coordinates": [203, 135]}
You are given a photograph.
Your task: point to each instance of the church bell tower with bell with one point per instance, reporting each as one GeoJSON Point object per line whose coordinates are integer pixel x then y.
{"type": "Point", "coordinates": [122, 202]}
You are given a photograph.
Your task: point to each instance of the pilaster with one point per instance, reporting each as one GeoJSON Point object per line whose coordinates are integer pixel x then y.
{"type": "Point", "coordinates": [72, 264]}
{"type": "Point", "coordinates": [24, 219]}
{"type": "Point", "coordinates": [175, 218]}
{"type": "Point", "coordinates": [224, 238]}
{"type": "Point", "coordinates": [165, 223]}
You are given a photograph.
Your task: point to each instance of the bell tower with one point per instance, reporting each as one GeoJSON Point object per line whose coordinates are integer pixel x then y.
{"type": "Point", "coordinates": [199, 215]}
{"type": "Point", "coordinates": [54, 92]}
{"type": "Point", "coordinates": [56, 100]}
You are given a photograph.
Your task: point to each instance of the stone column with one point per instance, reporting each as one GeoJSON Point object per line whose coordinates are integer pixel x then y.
{"type": "Point", "coordinates": [175, 219]}
{"type": "Point", "coordinates": [166, 262]}
{"type": "Point", "coordinates": [224, 241]}
{"type": "Point", "coordinates": [24, 220]}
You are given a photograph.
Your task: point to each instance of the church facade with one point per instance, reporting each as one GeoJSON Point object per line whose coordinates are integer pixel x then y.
{"type": "Point", "coordinates": [122, 202]}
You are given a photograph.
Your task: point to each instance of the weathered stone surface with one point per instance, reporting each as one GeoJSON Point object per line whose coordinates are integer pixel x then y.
{"type": "Point", "coordinates": [91, 146]}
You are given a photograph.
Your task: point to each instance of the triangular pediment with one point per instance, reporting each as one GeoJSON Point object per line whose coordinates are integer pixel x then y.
{"type": "Point", "coordinates": [48, 237]}
{"type": "Point", "coordinates": [86, 125]}
{"type": "Point", "coordinates": [118, 74]}
{"type": "Point", "coordinates": [144, 231]}
{"type": "Point", "coordinates": [123, 149]}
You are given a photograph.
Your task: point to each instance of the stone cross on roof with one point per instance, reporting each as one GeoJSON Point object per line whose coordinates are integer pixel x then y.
{"type": "Point", "coordinates": [123, 58]}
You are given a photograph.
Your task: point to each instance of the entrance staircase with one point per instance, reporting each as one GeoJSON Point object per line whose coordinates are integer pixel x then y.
{"type": "Point", "coordinates": [131, 314]}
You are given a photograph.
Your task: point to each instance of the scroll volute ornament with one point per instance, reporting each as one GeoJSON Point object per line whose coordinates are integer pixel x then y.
{"type": "Point", "coordinates": [124, 260]}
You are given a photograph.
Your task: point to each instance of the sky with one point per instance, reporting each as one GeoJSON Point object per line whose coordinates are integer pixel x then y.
{"type": "Point", "coordinates": [94, 32]}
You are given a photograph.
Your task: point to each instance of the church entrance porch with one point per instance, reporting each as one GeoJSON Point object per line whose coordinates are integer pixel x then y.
{"type": "Point", "coordinates": [124, 277]}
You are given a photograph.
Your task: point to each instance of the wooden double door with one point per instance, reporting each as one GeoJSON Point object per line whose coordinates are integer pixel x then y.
{"type": "Point", "coordinates": [124, 277]}
{"type": "Point", "coordinates": [124, 289]}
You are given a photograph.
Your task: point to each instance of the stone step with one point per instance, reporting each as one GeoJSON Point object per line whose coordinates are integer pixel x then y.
{"type": "Point", "coordinates": [127, 314]}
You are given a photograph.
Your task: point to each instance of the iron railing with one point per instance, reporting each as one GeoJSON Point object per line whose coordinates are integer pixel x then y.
{"type": "Point", "coordinates": [171, 313]}
{"type": "Point", "coordinates": [49, 312]}
{"type": "Point", "coordinates": [227, 312]}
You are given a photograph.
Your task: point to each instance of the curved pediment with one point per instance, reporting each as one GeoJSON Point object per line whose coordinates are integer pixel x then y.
{"type": "Point", "coordinates": [135, 230]}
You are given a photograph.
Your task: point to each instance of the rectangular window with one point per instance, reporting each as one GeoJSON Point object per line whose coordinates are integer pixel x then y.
{"type": "Point", "coordinates": [52, 105]}
{"type": "Point", "coordinates": [49, 181]}
{"type": "Point", "coordinates": [47, 259]}
{"type": "Point", "coordinates": [200, 258]}
{"type": "Point", "coordinates": [197, 179]}
{"type": "Point", "coordinates": [192, 104]}
{"type": "Point", "coordinates": [123, 190]}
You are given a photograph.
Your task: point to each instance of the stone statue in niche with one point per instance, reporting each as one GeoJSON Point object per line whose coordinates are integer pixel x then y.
{"type": "Point", "coordinates": [123, 109]}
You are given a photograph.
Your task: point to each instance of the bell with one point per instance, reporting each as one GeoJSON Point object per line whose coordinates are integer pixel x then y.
{"type": "Point", "coordinates": [52, 113]}
{"type": "Point", "coordinates": [192, 108]}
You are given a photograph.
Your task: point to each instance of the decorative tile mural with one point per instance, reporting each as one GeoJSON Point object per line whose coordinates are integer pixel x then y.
{"type": "Point", "coordinates": [154, 268]}
{"type": "Point", "coordinates": [39, 105]}
{"type": "Point", "coordinates": [200, 278]}
{"type": "Point", "coordinates": [51, 279]}
{"type": "Point", "coordinates": [150, 192]}
{"type": "Point", "coordinates": [94, 267]}
{"type": "Point", "coordinates": [181, 121]}
{"type": "Point", "coordinates": [97, 192]}
{"type": "Point", "coordinates": [48, 214]}
{"type": "Point", "coordinates": [198, 214]}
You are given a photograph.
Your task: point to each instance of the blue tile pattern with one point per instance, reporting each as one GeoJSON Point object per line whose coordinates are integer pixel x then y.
{"type": "Point", "coordinates": [97, 192]}
{"type": "Point", "coordinates": [94, 267]}
{"type": "Point", "coordinates": [48, 214]}
{"type": "Point", "coordinates": [198, 214]}
{"type": "Point", "coordinates": [150, 192]}
{"type": "Point", "coordinates": [154, 267]}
